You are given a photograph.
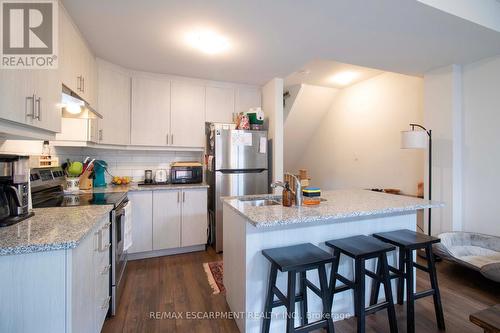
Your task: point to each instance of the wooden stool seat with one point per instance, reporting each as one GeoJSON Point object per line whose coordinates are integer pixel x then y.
{"type": "Point", "coordinates": [297, 257]}
{"type": "Point", "coordinates": [360, 246]}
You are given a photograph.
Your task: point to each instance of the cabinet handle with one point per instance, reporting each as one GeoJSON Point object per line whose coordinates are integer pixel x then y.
{"type": "Point", "coordinates": [83, 84]}
{"type": "Point", "coordinates": [171, 139]}
{"type": "Point", "coordinates": [106, 225]}
{"type": "Point", "coordinates": [105, 248]}
{"type": "Point", "coordinates": [167, 139]}
{"type": "Point", "coordinates": [39, 109]}
{"type": "Point", "coordinates": [178, 197]}
{"type": "Point", "coordinates": [106, 269]}
{"type": "Point", "coordinates": [100, 135]}
{"type": "Point", "coordinates": [79, 83]}
{"type": "Point", "coordinates": [183, 196]}
{"type": "Point", "coordinates": [105, 304]}
{"type": "Point", "coordinates": [32, 99]}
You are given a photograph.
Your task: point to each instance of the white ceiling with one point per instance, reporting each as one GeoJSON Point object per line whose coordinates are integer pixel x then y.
{"type": "Point", "coordinates": [274, 38]}
{"type": "Point", "coordinates": [320, 72]}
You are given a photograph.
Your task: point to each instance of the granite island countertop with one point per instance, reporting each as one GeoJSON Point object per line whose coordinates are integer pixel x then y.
{"type": "Point", "coordinates": [339, 205]}
{"type": "Point", "coordinates": [51, 229]}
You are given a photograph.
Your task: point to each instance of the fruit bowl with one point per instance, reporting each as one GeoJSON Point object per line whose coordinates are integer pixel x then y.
{"type": "Point", "coordinates": [120, 180]}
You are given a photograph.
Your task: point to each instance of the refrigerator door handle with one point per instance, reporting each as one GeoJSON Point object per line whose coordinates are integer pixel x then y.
{"type": "Point", "coordinates": [236, 171]}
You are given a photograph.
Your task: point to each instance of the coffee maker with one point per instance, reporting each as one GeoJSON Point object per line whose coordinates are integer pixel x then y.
{"type": "Point", "coordinates": [14, 189]}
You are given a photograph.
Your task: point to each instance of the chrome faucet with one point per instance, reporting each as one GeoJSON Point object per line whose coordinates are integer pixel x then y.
{"type": "Point", "coordinates": [297, 191]}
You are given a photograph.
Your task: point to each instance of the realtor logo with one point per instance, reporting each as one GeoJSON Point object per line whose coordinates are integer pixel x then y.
{"type": "Point", "coordinates": [29, 34]}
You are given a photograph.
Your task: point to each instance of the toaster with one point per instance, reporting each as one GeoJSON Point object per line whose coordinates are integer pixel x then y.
{"type": "Point", "coordinates": [186, 173]}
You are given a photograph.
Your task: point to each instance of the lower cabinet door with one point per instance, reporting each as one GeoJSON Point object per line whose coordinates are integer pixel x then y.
{"type": "Point", "coordinates": [194, 217]}
{"type": "Point", "coordinates": [166, 219]}
{"type": "Point", "coordinates": [142, 221]}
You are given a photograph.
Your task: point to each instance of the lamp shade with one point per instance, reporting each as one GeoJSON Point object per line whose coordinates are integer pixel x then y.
{"type": "Point", "coordinates": [414, 139]}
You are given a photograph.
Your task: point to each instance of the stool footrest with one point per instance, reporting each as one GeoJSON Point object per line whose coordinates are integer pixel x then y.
{"type": "Point", "coordinates": [424, 293]}
{"type": "Point", "coordinates": [344, 280]}
{"type": "Point", "coordinates": [315, 289]}
{"type": "Point", "coordinates": [376, 307]}
{"type": "Point", "coordinates": [422, 268]}
{"type": "Point", "coordinates": [341, 289]}
{"type": "Point", "coordinates": [373, 275]}
{"type": "Point", "coordinates": [282, 298]}
{"type": "Point", "coordinates": [312, 326]}
{"type": "Point", "coordinates": [276, 303]}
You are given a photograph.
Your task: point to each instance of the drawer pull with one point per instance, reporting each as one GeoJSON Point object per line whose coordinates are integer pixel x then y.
{"type": "Point", "coordinates": [106, 247]}
{"type": "Point", "coordinates": [105, 304]}
{"type": "Point", "coordinates": [106, 269]}
{"type": "Point", "coordinates": [106, 225]}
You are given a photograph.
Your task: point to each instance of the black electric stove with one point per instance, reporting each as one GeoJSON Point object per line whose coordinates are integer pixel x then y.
{"type": "Point", "coordinates": [60, 199]}
{"type": "Point", "coordinates": [46, 191]}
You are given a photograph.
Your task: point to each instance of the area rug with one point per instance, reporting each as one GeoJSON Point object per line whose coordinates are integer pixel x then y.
{"type": "Point", "coordinates": [215, 275]}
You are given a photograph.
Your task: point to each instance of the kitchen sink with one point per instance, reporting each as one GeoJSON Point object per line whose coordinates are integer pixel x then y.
{"type": "Point", "coordinates": [260, 202]}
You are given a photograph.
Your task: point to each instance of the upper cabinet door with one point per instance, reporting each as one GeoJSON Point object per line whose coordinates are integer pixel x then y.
{"type": "Point", "coordinates": [220, 104]}
{"type": "Point", "coordinates": [150, 111]}
{"type": "Point", "coordinates": [114, 104]}
{"type": "Point", "coordinates": [187, 115]}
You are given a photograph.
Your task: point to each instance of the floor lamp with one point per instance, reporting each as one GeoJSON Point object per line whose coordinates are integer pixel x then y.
{"type": "Point", "coordinates": [420, 139]}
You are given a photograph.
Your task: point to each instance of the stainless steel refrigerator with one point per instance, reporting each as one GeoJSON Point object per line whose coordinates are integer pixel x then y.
{"type": "Point", "coordinates": [237, 165]}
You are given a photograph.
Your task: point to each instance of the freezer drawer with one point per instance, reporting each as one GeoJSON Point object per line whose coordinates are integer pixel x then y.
{"type": "Point", "coordinates": [232, 183]}
{"type": "Point", "coordinates": [236, 149]}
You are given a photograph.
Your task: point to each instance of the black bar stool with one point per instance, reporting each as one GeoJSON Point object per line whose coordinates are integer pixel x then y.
{"type": "Point", "coordinates": [361, 248]}
{"type": "Point", "coordinates": [407, 241]}
{"type": "Point", "coordinates": [298, 259]}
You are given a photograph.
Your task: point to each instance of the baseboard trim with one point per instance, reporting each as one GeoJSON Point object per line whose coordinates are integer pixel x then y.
{"type": "Point", "coordinates": [166, 252]}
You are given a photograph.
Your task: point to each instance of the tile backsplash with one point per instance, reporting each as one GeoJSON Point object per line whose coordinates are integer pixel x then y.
{"type": "Point", "coordinates": [130, 163]}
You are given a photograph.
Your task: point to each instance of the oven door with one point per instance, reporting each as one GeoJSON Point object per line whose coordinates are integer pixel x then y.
{"type": "Point", "coordinates": [119, 256]}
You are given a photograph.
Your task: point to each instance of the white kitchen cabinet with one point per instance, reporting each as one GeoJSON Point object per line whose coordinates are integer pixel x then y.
{"type": "Point", "coordinates": [187, 115]}
{"type": "Point", "coordinates": [194, 217]}
{"type": "Point", "coordinates": [31, 97]}
{"type": "Point", "coordinates": [246, 98]}
{"type": "Point", "coordinates": [166, 219]}
{"type": "Point", "coordinates": [77, 62]}
{"type": "Point", "coordinates": [150, 120]}
{"type": "Point", "coordinates": [142, 221]}
{"type": "Point", "coordinates": [113, 103]}
{"type": "Point", "coordinates": [179, 218]}
{"type": "Point", "coordinates": [59, 291]}
{"type": "Point", "coordinates": [219, 104]}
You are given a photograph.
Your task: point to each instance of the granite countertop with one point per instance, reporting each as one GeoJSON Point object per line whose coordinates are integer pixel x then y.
{"type": "Point", "coordinates": [339, 204]}
{"type": "Point", "coordinates": [135, 187]}
{"type": "Point", "coordinates": [51, 229]}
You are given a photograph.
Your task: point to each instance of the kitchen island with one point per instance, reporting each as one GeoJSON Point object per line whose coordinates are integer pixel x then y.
{"type": "Point", "coordinates": [250, 228]}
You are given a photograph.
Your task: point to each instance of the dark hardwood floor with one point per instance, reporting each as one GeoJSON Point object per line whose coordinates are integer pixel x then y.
{"type": "Point", "coordinates": [178, 284]}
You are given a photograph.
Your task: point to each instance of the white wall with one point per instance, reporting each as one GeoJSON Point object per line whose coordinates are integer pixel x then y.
{"type": "Point", "coordinates": [443, 115]}
{"type": "Point", "coordinates": [358, 142]}
{"type": "Point", "coordinates": [310, 105]}
{"type": "Point", "coordinates": [481, 168]}
{"type": "Point", "coordinates": [272, 104]}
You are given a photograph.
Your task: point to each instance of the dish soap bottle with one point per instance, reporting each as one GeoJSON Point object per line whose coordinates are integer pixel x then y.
{"type": "Point", "coordinates": [287, 195]}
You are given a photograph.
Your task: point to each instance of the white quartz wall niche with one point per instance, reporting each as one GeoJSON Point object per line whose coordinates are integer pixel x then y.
{"type": "Point", "coordinates": [246, 270]}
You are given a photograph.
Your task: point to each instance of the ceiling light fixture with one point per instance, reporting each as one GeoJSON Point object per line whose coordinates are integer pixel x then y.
{"type": "Point", "coordinates": [344, 78]}
{"type": "Point", "coordinates": [207, 41]}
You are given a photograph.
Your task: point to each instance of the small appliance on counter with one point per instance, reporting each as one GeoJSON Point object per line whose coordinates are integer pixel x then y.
{"type": "Point", "coordinates": [14, 192]}
{"type": "Point", "coordinates": [148, 177]}
{"type": "Point", "coordinates": [161, 176]}
{"type": "Point", "coordinates": [186, 173]}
